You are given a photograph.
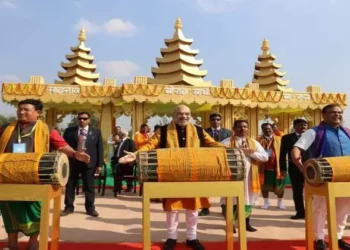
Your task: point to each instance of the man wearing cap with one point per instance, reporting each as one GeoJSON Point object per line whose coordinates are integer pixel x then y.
{"type": "Point", "coordinates": [219, 134]}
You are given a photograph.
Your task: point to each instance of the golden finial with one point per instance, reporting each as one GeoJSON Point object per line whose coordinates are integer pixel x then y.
{"type": "Point", "coordinates": [178, 24]}
{"type": "Point", "coordinates": [82, 35]}
{"type": "Point", "coordinates": [265, 45]}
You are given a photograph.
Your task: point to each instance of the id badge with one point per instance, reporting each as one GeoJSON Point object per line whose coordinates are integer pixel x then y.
{"type": "Point", "coordinates": [19, 148]}
{"type": "Point", "coordinates": [268, 152]}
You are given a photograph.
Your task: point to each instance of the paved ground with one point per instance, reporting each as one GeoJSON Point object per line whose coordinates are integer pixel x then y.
{"type": "Point", "coordinates": [120, 221]}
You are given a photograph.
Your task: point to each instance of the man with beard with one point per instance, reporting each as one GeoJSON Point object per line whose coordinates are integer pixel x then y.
{"type": "Point", "coordinates": [328, 139]}
{"type": "Point", "coordinates": [295, 175]}
{"type": "Point", "coordinates": [180, 133]}
{"type": "Point", "coordinates": [254, 153]}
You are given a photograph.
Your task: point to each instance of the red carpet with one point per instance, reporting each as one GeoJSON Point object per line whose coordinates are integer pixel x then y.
{"type": "Point", "coordinates": [255, 245]}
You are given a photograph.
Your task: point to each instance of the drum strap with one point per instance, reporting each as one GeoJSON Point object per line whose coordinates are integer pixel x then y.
{"type": "Point", "coordinates": [163, 136]}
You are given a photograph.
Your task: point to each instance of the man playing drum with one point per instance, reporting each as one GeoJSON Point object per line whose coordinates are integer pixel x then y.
{"type": "Point", "coordinates": [328, 139]}
{"type": "Point", "coordinates": [29, 134]}
{"type": "Point", "coordinates": [180, 133]}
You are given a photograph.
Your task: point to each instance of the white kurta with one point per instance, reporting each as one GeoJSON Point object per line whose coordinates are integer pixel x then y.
{"type": "Point", "coordinates": [111, 144]}
{"type": "Point", "coordinates": [259, 155]}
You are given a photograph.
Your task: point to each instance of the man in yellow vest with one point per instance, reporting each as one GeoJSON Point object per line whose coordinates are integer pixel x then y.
{"type": "Point", "coordinates": [180, 133]}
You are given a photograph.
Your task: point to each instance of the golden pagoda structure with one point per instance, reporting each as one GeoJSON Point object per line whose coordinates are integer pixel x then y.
{"type": "Point", "coordinates": [176, 80]}
{"type": "Point", "coordinates": [266, 72]}
{"type": "Point", "coordinates": [79, 70]}
{"type": "Point", "coordinates": [178, 65]}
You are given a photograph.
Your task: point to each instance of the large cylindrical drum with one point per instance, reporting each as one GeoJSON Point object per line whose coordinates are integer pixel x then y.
{"type": "Point", "coordinates": [317, 171]}
{"type": "Point", "coordinates": [192, 164]}
{"type": "Point", "coordinates": [34, 168]}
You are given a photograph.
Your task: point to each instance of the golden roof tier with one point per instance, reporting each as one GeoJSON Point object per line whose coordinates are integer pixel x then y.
{"type": "Point", "coordinates": [79, 69]}
{"type": "Point", "coordinates": [266, 72]}
{"type": "Point", "coordinates": [178, 65]}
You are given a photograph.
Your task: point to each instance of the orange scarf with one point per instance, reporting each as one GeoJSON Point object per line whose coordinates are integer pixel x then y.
{"type": "Point", "coordinates": [192, 140]}
{"type": "Point", "coordinates": [254, 164]}
{"type": "Point", "coordinates": [276, 145]}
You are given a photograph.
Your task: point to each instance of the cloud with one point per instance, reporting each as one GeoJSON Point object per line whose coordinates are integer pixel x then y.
{"type": "Point", "coordinates": [88, 26]}
{"type": "Point", "coordinates": [217, 6]}
{"type": "Point", "coordinates": [115, 27]}
{"type": "Point", "coordinates": [118, 69]}
{"type": "Point", "coordinates": [118, 26]}
{"type": "Point", "coordinates": [8, 4]}
{"type": "Point", "coordinates": [9, 78]}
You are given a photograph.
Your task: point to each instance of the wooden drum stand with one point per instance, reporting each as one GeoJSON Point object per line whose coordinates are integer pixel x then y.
{"type": "Point", "coordinates": [43, 193]}
{"type": "Point", "coordinates": [330, 190]}
{"type": "Point", "coordinates": [228, 189]}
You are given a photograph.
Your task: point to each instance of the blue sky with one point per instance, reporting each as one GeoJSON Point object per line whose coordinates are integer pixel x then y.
{"type": "Point", "coordinates": [309, 37]}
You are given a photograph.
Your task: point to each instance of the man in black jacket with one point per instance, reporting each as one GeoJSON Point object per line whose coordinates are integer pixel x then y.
{"type": "Point", "coordinates": [83, 137]}
{"type": "Point", "coordinates": [295, 175]}
{"type": "Point", "coordinates": [125, 144]}
{"type": "Point", "coordinates": [219, 134]}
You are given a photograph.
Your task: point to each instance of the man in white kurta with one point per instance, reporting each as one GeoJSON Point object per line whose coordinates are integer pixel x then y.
{"type": "Point", "coordinates": [254, 153]}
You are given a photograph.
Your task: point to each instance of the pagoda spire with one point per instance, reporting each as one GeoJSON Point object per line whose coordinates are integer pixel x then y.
{"type": "Point", "coordinates": [266, 72]}
{"type": "Point", "coordinates": [79, 69]}
{"type": "Point", "coordinates": [178, 65]}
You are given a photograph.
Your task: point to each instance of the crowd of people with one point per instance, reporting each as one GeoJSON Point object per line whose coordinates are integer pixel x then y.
{"type": "Point", "coordinates": [268, 160]}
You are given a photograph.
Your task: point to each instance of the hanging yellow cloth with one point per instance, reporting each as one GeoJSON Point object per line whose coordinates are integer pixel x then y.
{"type": "Point", "coordinates": [254, 164]}
{"type": "Point", "coordinates": [27, 162]}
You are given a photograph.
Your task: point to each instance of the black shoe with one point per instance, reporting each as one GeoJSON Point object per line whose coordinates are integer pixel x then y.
{"type": "Point", "coordinates": [320, 245]}
{"type": "Point", "coordinates": [204, 212]}
{"type": "Point", "coordinates": [343, 245]}
{"type": "Point", "coordinates": [194, 244]}
{"type": "Point", "coordinates": [169, 244]}
{"type": "Point", "coordinates": [67, 212]}
{"type": "Point", "coordinates": [92, 213]}
{"type": "Point", "coordinates": [248, 227]}
{"type": "Point", "coordinates": [234, 230]}
{"type": "Point", "coordinates": [298, 217]}
{"type": "Point", "coordinates": [128, 189]}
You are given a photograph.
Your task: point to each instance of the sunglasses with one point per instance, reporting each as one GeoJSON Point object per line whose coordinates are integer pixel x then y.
{"type": "Point", "coordinates": [215, 119]}
{"type": "Point", "coordinates": [83, 118]}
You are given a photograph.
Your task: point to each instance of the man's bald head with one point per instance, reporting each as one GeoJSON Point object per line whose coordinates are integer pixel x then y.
{"type": "Point", "coordinates": [181, 115]}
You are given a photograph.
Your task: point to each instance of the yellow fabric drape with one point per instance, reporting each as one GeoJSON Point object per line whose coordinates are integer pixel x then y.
{"type": "Point", "coordinates": [193, 164]}
{"type": "Point", "coordinates": [27, 162]}
{"type": "Point", "coordinates": [340, 167]}
{"type": "Point", "coordinates": [276, 146]}
{"type": "Point", "coordinates": [254, 164]}
{"type": "Point", "coordinates": [192, 140]}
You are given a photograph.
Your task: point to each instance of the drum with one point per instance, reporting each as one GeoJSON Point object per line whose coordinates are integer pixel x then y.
{"type": "Point", "coordinates": [34, 168]}
{"type": "Point", "coordinates": [148, 164]}
{"type": "Point", "coordinates": [331, 169]}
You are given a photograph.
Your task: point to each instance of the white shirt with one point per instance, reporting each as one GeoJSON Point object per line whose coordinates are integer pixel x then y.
{"type": "Point", "coordinates": [120, 145]}
{"type": "Point", "coordinates": [306, 139]}
{"type": "Point", "coordinates": [213, 129]}
{"type": "Point", "coordinates": [86, 129]}
{"type": "Point", "coordinates": [260, 153]}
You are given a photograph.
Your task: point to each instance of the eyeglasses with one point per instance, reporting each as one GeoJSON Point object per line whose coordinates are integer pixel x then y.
{"type": "Point", "coordinates": [83, 118]}
{"type": "Point", "coordinates": [215, 119]}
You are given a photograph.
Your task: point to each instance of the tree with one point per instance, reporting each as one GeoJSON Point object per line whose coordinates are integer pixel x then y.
{"type": "Point", "coordinates": [95, 122]}
{"type": "Point", "coordinates": [5, 120]}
